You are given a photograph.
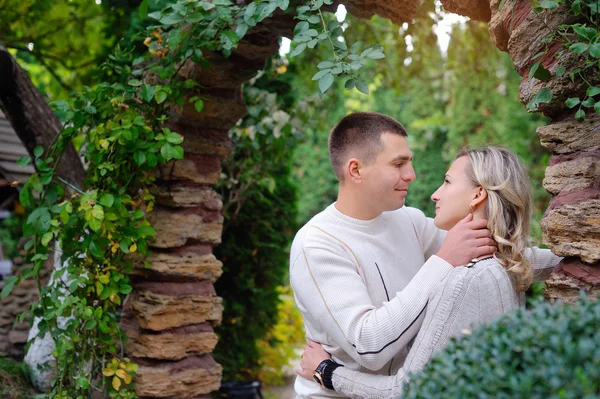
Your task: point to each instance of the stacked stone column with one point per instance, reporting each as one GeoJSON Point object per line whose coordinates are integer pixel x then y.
{"type": "Point", "coordinates": [171, 314]}
{"type": "Point", "coordinates": [571, 224]}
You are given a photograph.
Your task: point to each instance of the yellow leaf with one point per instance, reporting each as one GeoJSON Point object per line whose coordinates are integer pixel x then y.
{"type": "Point", "coordinates": [132, 367]}
{"type": "Point", "coordinates": [121, 374]}
{"type": "Point", "coordinates": [133, 247]}
{"type": "Point", "coordinates": [107, 372]}
{"type": "Point", "coordinates": [116, 383]}
{"type": "Point", "coordinates": [127, 379]}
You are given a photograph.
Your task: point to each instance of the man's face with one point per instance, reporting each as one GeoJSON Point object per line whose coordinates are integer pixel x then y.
{"type": "Point", "coordinates": [386, 180]}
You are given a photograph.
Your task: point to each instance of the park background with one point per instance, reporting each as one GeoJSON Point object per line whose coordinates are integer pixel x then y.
{"type": "Point", "coordinates": [442, 78]}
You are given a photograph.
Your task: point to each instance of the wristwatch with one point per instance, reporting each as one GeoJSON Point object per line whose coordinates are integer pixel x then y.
{"type": "Point", "coordinates": [323, 373]}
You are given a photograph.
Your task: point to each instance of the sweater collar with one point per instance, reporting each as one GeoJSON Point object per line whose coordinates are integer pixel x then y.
{"type": "Point", "coordinates": [339, 216]}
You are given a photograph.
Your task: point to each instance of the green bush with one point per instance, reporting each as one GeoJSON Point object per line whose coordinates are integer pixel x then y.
{"type": "Point", "coordinates": [549, 351]}
{"type": "Point", "coordinates": [14, 380]}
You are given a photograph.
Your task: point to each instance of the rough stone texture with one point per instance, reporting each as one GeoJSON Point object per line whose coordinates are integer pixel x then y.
{"type": "Point", "coordinates": [188, 195]}
{"type": "Point", "coordinates": [13, 335]}
{"type": "Point", "coordinates": [478, 10]}
{"type": "Point", "coordinates": [193, 262]}
{"type": "Point", "coordinates": [172, 344]}
{"type": "Point", "coordinates": [576, 173]}
{"type": "Point", "coordinates": [187, 378]}
{"type": "Point", "coordinates": [160, 306]}
{"type": "Point", "coordinates": [203, 169]}
{"type": "Point", "coordinates": [175, 227]}
{"type": "Point", "coordinates": [571, 136]}
{"type": "Point", "coordinates": [572, 277]}
{"type": "Point", "coordinates": [573, 230]}
{"type": "Point", "coordinates": [398, 11]}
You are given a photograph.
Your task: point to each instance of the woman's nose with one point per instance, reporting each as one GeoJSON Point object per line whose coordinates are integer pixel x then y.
{"type": "Point", "coordinates": [435, 197]}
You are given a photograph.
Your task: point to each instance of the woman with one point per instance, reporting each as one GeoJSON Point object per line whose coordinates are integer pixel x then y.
{"type": "Point", "coordinates": [489, 183]}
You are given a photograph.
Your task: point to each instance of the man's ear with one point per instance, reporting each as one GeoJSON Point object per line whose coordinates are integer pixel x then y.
{"type": "Point", "coordinates": [353, 170]}
{"type": "Point", "coordinates": [480, 195]}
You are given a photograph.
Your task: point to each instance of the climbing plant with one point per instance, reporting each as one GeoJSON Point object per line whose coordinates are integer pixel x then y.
{"type": "Point", "coordinates": [580, 39]}
{"type": "Point", "coordinates": [102, 226]}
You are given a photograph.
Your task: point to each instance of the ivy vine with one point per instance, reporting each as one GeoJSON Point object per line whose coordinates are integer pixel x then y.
{"type": "Point", "coordinates": [121, 125]}
{"type": "Point", "coordinates": [581, 39]}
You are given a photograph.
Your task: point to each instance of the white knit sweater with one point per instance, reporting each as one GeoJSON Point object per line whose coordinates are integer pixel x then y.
{"type": "Point", "coordinates": [467, 298]}
{"type": "Point", "coordinates": [362, 287]}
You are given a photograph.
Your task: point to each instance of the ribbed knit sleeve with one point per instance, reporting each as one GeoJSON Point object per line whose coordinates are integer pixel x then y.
{"type": "Point", "coordinates": [467, 298]}
{"type": "Point", "coordinates": [543, 262]}
{"type": "Point", "coordinates": [330, 291]}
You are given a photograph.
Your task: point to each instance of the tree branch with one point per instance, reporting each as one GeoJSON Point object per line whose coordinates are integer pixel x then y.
{"type": "Point", "coordinates": [32, 118]}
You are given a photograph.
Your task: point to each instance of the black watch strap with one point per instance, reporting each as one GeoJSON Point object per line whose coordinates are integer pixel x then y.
{"type": "Point", "coordinates": [328, 373]}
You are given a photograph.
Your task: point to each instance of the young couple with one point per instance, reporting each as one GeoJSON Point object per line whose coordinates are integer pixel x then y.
{"type": "Point", "coordinates": [379, 284]}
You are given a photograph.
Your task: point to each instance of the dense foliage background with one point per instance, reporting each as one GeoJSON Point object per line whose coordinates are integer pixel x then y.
{"type": "Point", "coordinates": [279, 175]}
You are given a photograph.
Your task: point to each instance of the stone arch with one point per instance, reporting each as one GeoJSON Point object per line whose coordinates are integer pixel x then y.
{"type": "Point", "coordinates": [171, 313]}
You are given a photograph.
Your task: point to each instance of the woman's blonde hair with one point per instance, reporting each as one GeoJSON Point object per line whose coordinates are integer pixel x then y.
{"type": "Point", "coordinates": [509, 206]}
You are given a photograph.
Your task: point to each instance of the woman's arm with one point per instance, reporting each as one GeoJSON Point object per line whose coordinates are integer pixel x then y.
{"type": "Point", "coordinates": [456, 307]}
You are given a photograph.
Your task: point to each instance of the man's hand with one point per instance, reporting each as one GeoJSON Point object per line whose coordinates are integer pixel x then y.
{"type": "Point", "coordinates": [313, 355]}
{"type": "Point", "coordinates": [469, 239]}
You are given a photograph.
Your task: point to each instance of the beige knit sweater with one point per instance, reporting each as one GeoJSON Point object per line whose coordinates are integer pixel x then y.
{"type": "Point", "coordinates": [468, 297]}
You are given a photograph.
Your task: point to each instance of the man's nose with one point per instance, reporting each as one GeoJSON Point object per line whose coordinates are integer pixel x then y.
{"type": "Point", "coordinates": [410, 174]}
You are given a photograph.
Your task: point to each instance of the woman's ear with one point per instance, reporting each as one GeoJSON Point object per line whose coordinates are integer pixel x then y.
{"type": "Point", "coordinates": [480, 196]}
{"type": "Point", "coordinates": [353, 170]}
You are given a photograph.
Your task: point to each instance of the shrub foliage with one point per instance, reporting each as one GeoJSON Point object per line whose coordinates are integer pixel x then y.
{"type": "Point", "coordinates": [549, 351]}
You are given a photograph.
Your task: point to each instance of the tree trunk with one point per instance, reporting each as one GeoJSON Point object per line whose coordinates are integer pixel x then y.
{"type": "Point", "coordinates": [32, 118]}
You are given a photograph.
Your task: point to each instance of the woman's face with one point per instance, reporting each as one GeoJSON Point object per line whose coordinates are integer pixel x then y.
{"type": "Point", "coordinates": [454, 196]}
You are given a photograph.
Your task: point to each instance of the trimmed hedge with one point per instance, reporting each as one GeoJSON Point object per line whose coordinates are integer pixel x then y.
{"type": "Point", "coordinates": [549, 351]}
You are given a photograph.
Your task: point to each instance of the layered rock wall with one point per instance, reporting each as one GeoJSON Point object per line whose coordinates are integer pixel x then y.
{"type": "Point", "coordinates": [170, 316]}
{"type": "Point", "coordinates": [571, 224]}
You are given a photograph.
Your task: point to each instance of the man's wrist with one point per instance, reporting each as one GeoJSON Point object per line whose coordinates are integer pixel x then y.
{"type": "Point", "coordinates": [323, 374]}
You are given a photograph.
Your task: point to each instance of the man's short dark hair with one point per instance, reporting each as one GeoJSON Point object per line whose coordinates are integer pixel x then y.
{"type": "Point", "coordinates": [359, 135]}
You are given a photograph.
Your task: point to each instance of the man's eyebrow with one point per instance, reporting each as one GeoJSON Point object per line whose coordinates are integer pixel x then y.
{"type": "Point", "coordinates": [403, 158]}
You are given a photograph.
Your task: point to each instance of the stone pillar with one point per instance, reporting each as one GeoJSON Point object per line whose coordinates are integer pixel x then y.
{"type": "Point", "coordinates": [170, 315]}
{"type": "Point", "coordinates": [571, 224]}
{"type": "Point", "coordinates": [13, 335]}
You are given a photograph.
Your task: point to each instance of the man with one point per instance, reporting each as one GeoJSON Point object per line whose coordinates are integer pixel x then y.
{"type": "Point", "coordinates": [363, 269]}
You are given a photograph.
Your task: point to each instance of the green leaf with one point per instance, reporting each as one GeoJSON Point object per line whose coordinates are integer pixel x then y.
{"type": "Point", "coordinates": [578, 48]}
{"type": "Point", "coordinates": [139, 158]}
{"type": "Point", "coordinates": [160, 96]}
{"type": "Point", "coordinates": [376, 55]}
{"type": "Point", "coordinates": [325, 64]}
{"type": "Point", "coordinates": [143, 11]}
{"type": "Point", "coordinates": [107, 200]}
{"type": "Point", "coordinates": [320, 74]}
{"type": "Point", "coordinates": [228, 39]}
{"type": "Point", "coordinates": [584, 32]}
{"type": "Point", "coordinates": [46, 238]}
{"type": "Point", "coordinates": [95, 224]}
{"type": "Point", "coordinates": [284, 4]}
{"type": "Point", "coordinates": [199, 105]}
{"type": "Point", "coordinates": [300, 27]}
{"type": "Point", "coordinates": [593, 91]}
{"type": "Point", "coordinates": [355, 48]}
{"type": "Point", "coordinates": [38, 151]}
{"type": "Point", "coordinates": [172, 19]}
{"type": "Point", "coordinates": [40, 220]}
{"type": "Point", "coordinates": [91, 324]}
{"type": "Point", "coordinates": [542, 96]}
{"type": "Point", "coordinates": [580, 115]}
{"type": "Point", "coordinates": [362, 86]}
{"type": "Point", "coordinates": [560, 71]}
{"type": "Point", "coordinates": [25, 196]}
{"type": "Point", "coordinates": [595, 50]}
{"type": "Point", "coordinates": [169, 152]}
{"type": "Point", "coordinates": [125, 289]}
{"type": "Point", "coordinates": [549, 4]}
{"type": "Point", "coordinates": [173, 138]}
{"type": "Point", "coordinates": [325, 82]}
{"type": "Point", "coordinates": [589, 103]}
{"type": "Point", "coordinates": [572, 102]}
{"type": "Point", "coordinates": [134, 82]}
{"type": "Point", "coordinates": [194, 17]}
{"type": "Point", "coordinates": [9, 284]}
{"type": "Point", "coordinates": [539, 72]}
{"type": "Point", "coordinates": [597, 107]}
{"type": "Point", "coordinates": [24, 161]}
{"type": "Point", "coordinates": [147, 93]}
{"type": "Point", "coordinates": [241, 30]}
{"type": "Point", "coordinates": [298, 50]}
{"type": "Point", "coordinates": [349, 84]}
{"type": "Point", "coordinates": [249, 13]}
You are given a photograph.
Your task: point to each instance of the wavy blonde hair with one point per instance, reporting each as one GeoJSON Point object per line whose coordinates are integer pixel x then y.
{"type": "Point", "coordinates": [509, 206]}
